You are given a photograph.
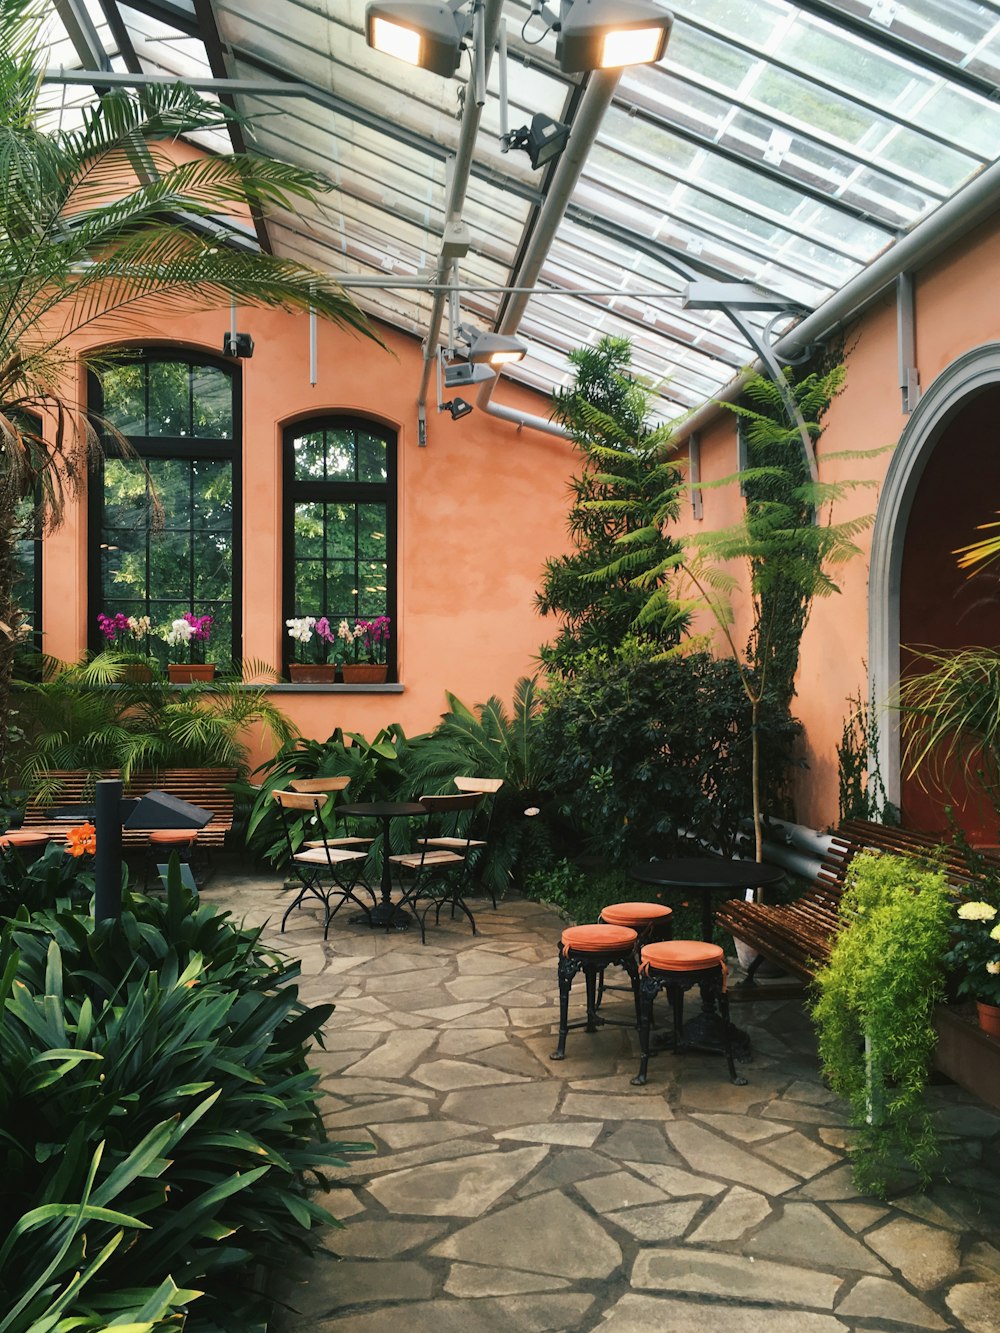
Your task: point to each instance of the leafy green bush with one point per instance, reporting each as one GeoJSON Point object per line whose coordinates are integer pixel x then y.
{"type": "Point", "coordinates": [49, 879]}
{"type": "Point", "coordinates": [884, 977]}
{"type": "Point", "coordinates": [642, 746]}
{"type": "Point", "coordinates": [153, 1086]}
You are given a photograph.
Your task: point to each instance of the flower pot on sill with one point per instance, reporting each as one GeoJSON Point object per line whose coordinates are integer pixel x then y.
{"type": "Point", "coordinates": [137, 672]}
{"type": "Point", "coordinates": [311, 673]}
{"type": "Point", "coordinates": [183, 673]}
{"type": "Point", "coordinates": [989, 1017]}
{"type": "Point", "coordinates": [363, 673]}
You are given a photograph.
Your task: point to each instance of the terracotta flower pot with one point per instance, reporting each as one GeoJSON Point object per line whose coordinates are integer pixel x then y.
{"type": "Point", "coordinates": [363, 673]}
{"type": "Point", "coordinates": [989, 1017]}
{"type": "Point", "coordinates": [137, 672]}
{"type": "Point", "coordinates": [311, 673]}
{"type": "Point", "coordinates": [183, 673]}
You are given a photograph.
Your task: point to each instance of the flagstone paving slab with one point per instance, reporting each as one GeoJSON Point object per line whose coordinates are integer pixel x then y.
{"type": "Point", "coordinates": [876, 1298]}
{"type": "Point", "coordinates": [507, 1192]}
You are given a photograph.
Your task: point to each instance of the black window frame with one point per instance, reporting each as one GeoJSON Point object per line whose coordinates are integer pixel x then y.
{"type": "Point", "coordinates": [168, 446]}
{"type": "Point", "coordinates": [352, 492]}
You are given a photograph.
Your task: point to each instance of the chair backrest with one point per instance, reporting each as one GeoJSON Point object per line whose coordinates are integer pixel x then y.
{"type": "Point", "coordinates": [293, 800]}
{"type": "Point", "coordinates": [488, 786]}
{"type": "Point", "coordinates": [320, 784]}
{"type": "Point", "coordinates": [447, 805]}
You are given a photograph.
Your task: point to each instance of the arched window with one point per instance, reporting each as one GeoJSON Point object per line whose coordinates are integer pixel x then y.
{"type": "Point", "coordinates": [340, 524]}
{"type": "Point", "coordinates": [165, 524]}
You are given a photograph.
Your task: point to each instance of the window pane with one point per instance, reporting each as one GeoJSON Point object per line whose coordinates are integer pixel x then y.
{"type": "Point", "coordinates": [309, 457]}
{"type": "Point", "coordinates": [309, 588]}
{"type": "Point", "coordinates": [212, 392]}
{"type": "Point", "coordinates": [125, 398]}
{"type": "Point", "coordinates": [371, 458]}
{"type": "Point", "coordinates": [169, 398]}
{"type": "Point", "coordinates": [341, 455]}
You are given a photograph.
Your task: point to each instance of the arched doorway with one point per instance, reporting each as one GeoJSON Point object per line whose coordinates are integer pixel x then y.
{"type": "Point", "coordinates": [944, 480]}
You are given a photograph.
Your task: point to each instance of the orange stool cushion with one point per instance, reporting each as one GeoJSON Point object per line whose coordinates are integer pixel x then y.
{"type": "Point", "coordinates": [172, 836]}
{"type": "Point", "coordinates": [598, 939]}
{"type": "Point", "coordinates": [24, 838]}
{"type": "Point", "coordinates": [634, 914]}
{"type": "Point", "coordinates": [681, 956]}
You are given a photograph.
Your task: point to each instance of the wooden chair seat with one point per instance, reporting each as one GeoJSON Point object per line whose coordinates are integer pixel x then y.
{"type": "Point", "coordinates": [317, 856]}
{"type": "Point", "coordinates": [420, 860]}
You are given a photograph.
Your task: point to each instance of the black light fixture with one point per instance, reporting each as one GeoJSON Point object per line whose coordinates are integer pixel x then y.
{"type": "Point", "coordinates": [421, 32]}
{"type": "Point", "coordinates": [494, 349]}
{"type": "Point", "coordinates": [457, 407]}
{"type": "Point", "coordinates": [543, 140]}
{"type": "Point", "coordinates": [606, 34]}
{"type": "Point", "coordinates": [237, 344]}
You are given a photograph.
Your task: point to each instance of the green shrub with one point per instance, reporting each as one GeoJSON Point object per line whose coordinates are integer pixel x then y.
{"type": "Point", "coordinates": [642, 746]}
{"type": "Point", "coordinates": [153, 1084]}
{"type": "Point", "coordinates": [884, 977]}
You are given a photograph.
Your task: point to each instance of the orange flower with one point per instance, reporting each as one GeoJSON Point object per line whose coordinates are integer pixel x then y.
{"type": "Point", "coordinates": [80, 841]}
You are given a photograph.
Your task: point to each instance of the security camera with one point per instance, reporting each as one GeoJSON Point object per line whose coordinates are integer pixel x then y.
{"type": "Point", "coordinates": [237, 344]}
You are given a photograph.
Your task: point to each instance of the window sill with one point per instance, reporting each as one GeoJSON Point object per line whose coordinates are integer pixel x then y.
{"type": "Point", "coordinates": [386, 687]}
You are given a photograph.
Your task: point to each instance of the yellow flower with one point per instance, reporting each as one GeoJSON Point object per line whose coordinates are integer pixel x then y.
{"type": "Point", "coordinates": [977, 912]}
{"type": "Point", "coordinates": [993, 969]}
{"type": "Point", "coordinates": [995, 932]}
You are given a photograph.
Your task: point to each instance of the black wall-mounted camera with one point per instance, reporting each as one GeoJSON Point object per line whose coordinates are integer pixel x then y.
{"type": "Point", "coordinates": [237, 344]}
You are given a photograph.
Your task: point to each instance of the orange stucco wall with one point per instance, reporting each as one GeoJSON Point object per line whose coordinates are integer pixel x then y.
{"type": "Point", "coordinates": [480, 508]}
{"type": "Point", "coordinates": [956, 311]}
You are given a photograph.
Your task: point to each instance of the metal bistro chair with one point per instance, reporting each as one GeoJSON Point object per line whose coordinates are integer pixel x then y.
{"type": "Point", "coordinates": [330, 786]}
{"type": "Point", "coordinates": [316, 866]}
{"type": "Point", "coordinates": [488, 788]}
{"type": "Point", "coordinates": [440, 868]}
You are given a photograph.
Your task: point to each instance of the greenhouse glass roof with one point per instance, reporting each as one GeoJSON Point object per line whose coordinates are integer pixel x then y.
{"type": "Point", "coordinates": [781, 145]}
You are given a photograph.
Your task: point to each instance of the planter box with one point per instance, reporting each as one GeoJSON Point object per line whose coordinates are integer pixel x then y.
{"type": "Point", "coordinates": [363, 673]}
{"type": "Point", "coordinates": [969, 1056]}
{"type": "Point", "coordinates": [183, 673]}
{"type": "Point", "coordinates": [137, 672]}
{"type": "Point", "coordinates": [311, 673]}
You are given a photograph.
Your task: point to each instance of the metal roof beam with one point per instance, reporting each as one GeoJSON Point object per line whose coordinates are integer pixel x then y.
{"type": "Point", "coordinates": [218, 63]}
{"type": "Point", "coordinates": [121, 34]}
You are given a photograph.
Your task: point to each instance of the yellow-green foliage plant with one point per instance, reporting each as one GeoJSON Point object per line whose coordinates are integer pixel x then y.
{"type": "Point", "coordinates": [874, 1014]}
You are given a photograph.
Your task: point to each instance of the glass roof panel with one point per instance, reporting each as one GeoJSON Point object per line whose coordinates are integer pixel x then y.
{"type": "Point", "coordinates": [773, 144]}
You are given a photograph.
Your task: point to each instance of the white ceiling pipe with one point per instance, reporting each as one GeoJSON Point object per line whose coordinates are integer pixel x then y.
{"type": "Point", "coordinates": [955, 218]}
{"type": "Point", "coordinates": [600, 90]}
{"type": "Point", "coordinates": [459, 184]}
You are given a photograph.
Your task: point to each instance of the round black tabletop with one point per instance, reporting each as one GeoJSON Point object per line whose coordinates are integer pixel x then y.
{"type": "Point", "coordinates": [706, 872]}
{"type": "Point", "coordinates": [382, 809]}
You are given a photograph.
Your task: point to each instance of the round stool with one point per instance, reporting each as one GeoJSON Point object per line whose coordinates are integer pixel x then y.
{"type": "Point", "coordinates": [163, 841]}
{"type": "Point", "coordinates": [590, 949]}
{"type": "Point", "coordinates": [675, 966]}
{"type": "Point", "coordinates": [650, 921]}
{"type": "Point", "coordinates": [25, 841]}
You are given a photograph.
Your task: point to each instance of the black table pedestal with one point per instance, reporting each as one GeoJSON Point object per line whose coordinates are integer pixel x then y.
{"type": "Point", "coordinates": [384, 914]}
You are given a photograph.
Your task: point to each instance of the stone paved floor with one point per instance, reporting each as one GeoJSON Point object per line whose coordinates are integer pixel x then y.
{"type": "Point", "coordinates": [508, 1192]}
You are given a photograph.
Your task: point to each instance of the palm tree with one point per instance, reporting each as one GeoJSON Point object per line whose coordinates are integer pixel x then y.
{"type": "Point", "coordinates": [101, 228]}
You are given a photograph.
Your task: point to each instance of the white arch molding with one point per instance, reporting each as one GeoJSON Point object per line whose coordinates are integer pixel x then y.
{"type": "Point", "coordinates": [971, 373]}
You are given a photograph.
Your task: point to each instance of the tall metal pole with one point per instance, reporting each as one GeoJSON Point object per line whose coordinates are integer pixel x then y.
{"type": "Point", "coordinates": [108, 857]}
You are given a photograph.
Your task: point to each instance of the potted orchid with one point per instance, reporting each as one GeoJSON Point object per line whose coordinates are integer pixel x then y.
{"type": "Point", "coordinates": [191, 632]}
{"type": "Point", "coordinates": [132, 635]}
{"type": "Point", "coordinates": [975, 954]}
{"type": "Point", "coordinates": [367, 642]}
{"type": "Point", "coordinates": [313, 639]}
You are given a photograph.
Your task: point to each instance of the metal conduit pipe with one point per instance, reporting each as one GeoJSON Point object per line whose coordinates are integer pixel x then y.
{"type": "Point", "coordinates": [973, 204]}
{"type": "Point", "coordinates": [601, 89]}
{"type": "Point", "coordinates": [459, 184]}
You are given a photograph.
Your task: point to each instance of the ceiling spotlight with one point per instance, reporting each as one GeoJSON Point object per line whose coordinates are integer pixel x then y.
{"type": "Point", "coordinates": [543, 140]}
{"type": "Point", "coordinates": [604, 34]}
{"type": "Point", "coordinates": [494, 349]}
{"type": "Point", "coordinates": [462, 373]}
{"type": "Point", "coordinates": [458, 407]}
{"type": "Point", "coordinates": [421, 32]}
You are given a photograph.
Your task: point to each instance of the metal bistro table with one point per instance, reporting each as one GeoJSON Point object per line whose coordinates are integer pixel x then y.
{"type": "Point", "coordinates": [384, 913]}
{"type": "Point", "coordinates": [707, 875]}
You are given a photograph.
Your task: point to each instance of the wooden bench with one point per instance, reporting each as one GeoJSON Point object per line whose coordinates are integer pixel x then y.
{"type": "Point", "coordinates": [210, 788]}
{"type": "Point", "coordinates": [798, 936]}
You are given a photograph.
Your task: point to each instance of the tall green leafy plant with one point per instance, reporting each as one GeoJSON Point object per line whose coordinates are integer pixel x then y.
{"type": "Point", "coordinates": [786, 544]}
{"type": "Point", "coordinates": [874, 1014]}
{"type": "Point", "coordinates": [629, 481]}
{"type": "Point", "coordinates": [92, 238]}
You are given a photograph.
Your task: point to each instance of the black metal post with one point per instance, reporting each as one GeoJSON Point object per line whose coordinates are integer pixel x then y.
{"type": "Point", "coordinates": [108, 856]}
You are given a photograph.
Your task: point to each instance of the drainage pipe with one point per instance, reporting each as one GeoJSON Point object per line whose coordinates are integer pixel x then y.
{"type": "Point", "coordinates": [472, 115]}
{"type": "Point", "coordinates": [600, 90]}
{"type": "Point", "coordinates": [955, 218]}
